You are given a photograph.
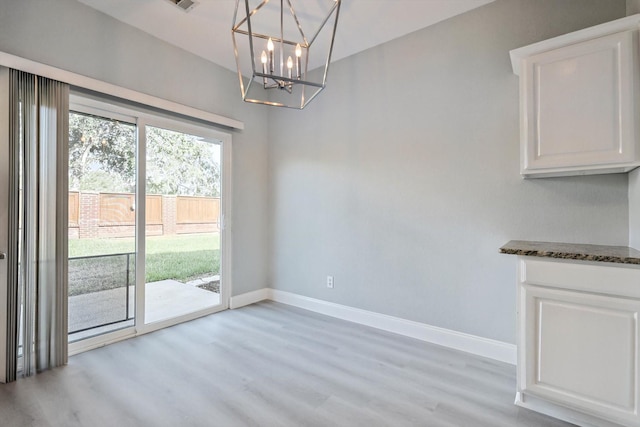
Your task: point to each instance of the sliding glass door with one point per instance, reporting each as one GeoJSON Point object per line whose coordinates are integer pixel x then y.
{"type": "Point", "coordinates": [145, 225]}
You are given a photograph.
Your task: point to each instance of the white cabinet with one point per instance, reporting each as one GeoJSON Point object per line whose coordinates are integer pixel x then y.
{"type": "Point", "coordinates": [579, 102]}
{"type": "Point", "coordinates": [578, 341]}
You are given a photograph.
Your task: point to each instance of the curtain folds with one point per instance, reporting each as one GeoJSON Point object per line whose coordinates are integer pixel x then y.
{"type": "Point", "coordinates": [39, 126]}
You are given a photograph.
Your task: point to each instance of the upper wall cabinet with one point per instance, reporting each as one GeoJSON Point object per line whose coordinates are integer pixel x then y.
{"type": "Point", "coordinates": [579, 109]}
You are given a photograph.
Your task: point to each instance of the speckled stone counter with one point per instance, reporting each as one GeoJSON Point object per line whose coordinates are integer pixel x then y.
{"type": "Point", "coordinates": [599, 253]}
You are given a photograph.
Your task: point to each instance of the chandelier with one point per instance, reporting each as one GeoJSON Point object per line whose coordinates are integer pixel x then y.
{"type": "Point", "coordinates": [283, 54]}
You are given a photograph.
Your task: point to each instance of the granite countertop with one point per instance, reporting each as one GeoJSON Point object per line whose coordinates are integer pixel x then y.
{"type": "Point", "coordinates": [600, 253]}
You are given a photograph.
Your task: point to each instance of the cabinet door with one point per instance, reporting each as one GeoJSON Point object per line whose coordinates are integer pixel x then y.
{"type": "Point", "coordinates": [578, 105]}
{"type": "Point", "coordinates": [581, 350]}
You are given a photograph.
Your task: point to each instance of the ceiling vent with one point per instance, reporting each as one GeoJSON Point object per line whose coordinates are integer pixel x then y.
{"type": "Point", "coordinates": [185, 5]}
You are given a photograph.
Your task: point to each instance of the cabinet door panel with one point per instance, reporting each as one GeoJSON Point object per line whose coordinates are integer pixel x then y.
{"type": "Point", "coordinates": [579, 102]}
{"type": "Point", "coordinates": [582, 350]}
{"type": "Point", "coordinates": [562, 101]}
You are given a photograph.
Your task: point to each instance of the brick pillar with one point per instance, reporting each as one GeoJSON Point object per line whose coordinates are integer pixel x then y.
{"type": "Point", "coordinates": [168, 214]}
{"type": "Point", "coordinates": [89, 217]}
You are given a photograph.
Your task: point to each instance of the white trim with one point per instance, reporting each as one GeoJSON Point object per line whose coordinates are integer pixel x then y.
{"type": "Point", "coordinates": [102, 340]}
{"type": "Point", "coordinates": [517, 55]}
{"type": "Point", "coordinates": [480, 346]}
{"type": "Point", "coordinates": [485, 347]}
{"type": "Point", "coordinates": [173, 321]}
{"type": "Point", "coordinates": [90, 83]}
{"type": "Point", "coordinates": [141, 224]}
{"type": "Point", "coordinates": [560, 412]}
{"type": "Point", "coordinates": [81, 104]}
{"type": "Point", "coordinates": [249, 298]}
{"type": "Point", "coordinates": [225, 224]}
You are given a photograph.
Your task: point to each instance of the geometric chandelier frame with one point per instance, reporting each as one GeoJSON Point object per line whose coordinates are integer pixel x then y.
{"type": "Point", "coordinates": [283, 56]}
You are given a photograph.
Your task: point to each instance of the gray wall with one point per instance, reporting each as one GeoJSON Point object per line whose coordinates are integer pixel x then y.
{"type": "Point", "coordinates": [402, 178]}
{"type": "Point", "coordinates": [69, 35]}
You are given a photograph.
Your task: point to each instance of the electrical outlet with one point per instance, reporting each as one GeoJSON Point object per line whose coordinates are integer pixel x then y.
{"type": "Point", "coordinates": [330, 282]}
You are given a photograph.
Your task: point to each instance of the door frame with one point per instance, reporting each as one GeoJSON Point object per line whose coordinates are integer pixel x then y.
{"type": "Point", "coordinates": [142, 118]}
{"type": "Point", "coordinates": [145, 120]}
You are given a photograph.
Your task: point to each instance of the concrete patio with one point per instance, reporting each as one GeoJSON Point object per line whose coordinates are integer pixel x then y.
{"type": "Point", "coordinates": [163, 300]}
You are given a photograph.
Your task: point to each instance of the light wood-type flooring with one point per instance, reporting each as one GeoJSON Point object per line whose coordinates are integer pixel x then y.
{"type": "Point", "coordinates": [269, 364]}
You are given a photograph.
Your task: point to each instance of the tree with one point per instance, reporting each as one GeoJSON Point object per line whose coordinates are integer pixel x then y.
{"type": "Point", "coordinates": [102, 158]}
{"type": "Point", "coordinates": [181, 164]}
{"type": "Point", "coordinates": [101, 148]}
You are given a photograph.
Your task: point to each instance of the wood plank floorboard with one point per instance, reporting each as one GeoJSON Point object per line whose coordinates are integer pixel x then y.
{"type": "Point", "coordinates": [269, 364]}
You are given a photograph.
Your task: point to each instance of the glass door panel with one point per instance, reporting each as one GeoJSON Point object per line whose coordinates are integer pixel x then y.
{"type": "Point", "coordinates": [182, 240]}
{"type": "Point", "coordinates": [102, 191]}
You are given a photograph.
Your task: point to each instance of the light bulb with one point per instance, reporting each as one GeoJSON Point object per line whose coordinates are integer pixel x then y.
{"type": "Point", "coordinates": [270, 49]}
{"type": "Point", "coordinates": [289, 63]}
{"type": "Point", "coordinates": [263, 59]}
{"type": "Point", "coordinates": [298, 50]}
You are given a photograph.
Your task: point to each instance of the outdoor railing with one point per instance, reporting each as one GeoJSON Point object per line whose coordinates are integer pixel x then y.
{"type": "Point", "coordinates": [95, 295]}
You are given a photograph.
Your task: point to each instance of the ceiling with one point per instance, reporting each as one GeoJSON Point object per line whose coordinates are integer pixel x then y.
{"type": "Point", "coordinates": [206, 29]}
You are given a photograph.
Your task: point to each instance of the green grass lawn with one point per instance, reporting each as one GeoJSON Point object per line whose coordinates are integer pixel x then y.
{"type": "Point", "coordinates": [180, 257]}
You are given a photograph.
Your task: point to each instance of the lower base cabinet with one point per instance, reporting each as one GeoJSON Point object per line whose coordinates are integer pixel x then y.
{"type": "Point", "coordinates": [578, 341]}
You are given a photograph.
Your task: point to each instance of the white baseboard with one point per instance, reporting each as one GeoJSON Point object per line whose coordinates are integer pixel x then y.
{"type": "Point", "coordinates": [563, 413]}
{"type": "Point", "coordinates": [249, 298]}
{"type": "Point", "coordinates": [484, 347]}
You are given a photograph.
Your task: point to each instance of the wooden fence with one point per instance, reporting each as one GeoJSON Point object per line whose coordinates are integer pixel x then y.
{"type": "Point", "coordinates": [119, 209]}
{"type": "Point", "coordinates": [113, 214]}
{"type": "Point", "coordinates": [74, 208]}
{"type": "Point", "coordinates": [196, 210]}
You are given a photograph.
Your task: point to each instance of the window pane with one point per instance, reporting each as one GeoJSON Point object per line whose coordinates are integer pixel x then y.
{"type": "Point", "coordinates": [182, 234]}
{"type": "Point", "coordinates": [101, 225]}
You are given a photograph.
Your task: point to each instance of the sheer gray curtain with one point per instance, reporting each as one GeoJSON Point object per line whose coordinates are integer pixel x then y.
{"type": "Point", "coordinates": [38, 277]}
